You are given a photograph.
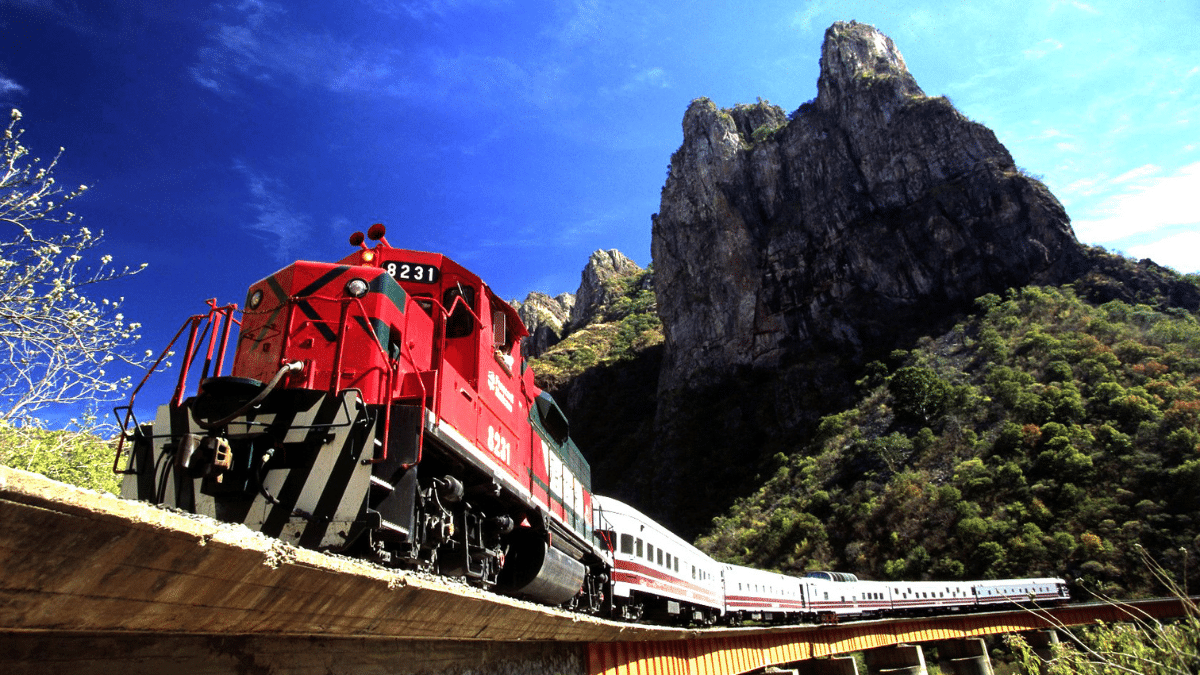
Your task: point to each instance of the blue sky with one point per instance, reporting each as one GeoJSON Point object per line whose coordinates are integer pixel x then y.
{"type": "Point", "coordinates": [223, 140]}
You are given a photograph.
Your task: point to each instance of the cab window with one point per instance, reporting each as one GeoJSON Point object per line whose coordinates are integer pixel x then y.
{"type": "Point", "coordinates": [460, 323]}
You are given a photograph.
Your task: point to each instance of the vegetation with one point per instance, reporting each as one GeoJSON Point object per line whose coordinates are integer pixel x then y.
{"type": "Point", "coordinates": [628, 325]}
{"type": "Point", "coordinates": [79, 458]}
{"type": "Point", "coordinates": [58, 347]}
{"type": "Point", "coordinates": [1043, 436]}
{"type": "Point", "coordinates": [1141, 645]}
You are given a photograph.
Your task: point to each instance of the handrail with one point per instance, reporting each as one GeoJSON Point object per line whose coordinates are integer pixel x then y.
{"type": "Point", "coordinates": [225, 311]}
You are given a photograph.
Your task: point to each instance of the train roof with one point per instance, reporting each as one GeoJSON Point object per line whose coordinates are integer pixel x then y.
{"type": "Point", "coordinates": [608, 505]}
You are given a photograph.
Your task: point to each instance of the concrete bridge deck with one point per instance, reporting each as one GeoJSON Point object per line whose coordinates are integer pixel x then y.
{"type": "Point", "coordinates": [93, 583]}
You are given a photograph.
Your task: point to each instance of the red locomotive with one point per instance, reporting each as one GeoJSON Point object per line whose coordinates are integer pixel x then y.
{"type": "Point", "coordinates": [380, 406]}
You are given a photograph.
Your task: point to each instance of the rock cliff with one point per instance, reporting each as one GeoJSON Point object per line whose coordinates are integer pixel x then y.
{"type": "Point", "coordinates": [595, 288]}
{"type": "Point", "coordinates": [545, 318]}
{"type": "Point", "coordinates": [549, 320]}
{"type": "Point", "coordinates": [790, 249]}
{"type": "Point", "coordinates": [870, 205]}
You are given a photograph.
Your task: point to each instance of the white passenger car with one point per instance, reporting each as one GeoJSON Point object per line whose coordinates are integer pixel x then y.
{"type": "Point", "coordinates": [762, 596]}
{"type": "Point", "coordinates": [1020, 592]}
{"type": "Point", "coordinates": [657, 575]}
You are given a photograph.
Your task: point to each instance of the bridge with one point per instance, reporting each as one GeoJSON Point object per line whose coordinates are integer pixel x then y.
{"type": "Point", "coordinates": [91, 583]}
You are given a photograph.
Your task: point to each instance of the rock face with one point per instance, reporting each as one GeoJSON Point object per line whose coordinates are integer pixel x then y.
{"type": "Point", "coordinates": [871, 204]}
{"type": "Point", "coordinates": [549, 320]}
{"type": "Point", "coordinates": [788, 249]}
{"type": "Point", "coordinates": [546, 319]}
{"type": "Point", "coordinates": [594, 293]}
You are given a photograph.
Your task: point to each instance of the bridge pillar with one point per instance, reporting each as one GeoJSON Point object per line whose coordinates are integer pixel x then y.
{"type": "Point", "coordinates": [896, 660]}
{"type": "Point", "coordinates": [834, 665]}
{"type": "Point", "coordinates": [965, 657]}
{"type": "Point", "coordinates": [1042, 642]}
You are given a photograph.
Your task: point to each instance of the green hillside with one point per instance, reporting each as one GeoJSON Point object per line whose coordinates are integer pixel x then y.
{"type": "Point", "coordinates": [1042, 436]}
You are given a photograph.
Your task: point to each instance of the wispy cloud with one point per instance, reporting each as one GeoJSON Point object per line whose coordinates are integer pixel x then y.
{"type": "Point", "coordinates": [1075, 4]}
{"type": "Point", "coordinates": [425, 10]}
{"type": "Point", "coordinates": [640, 81]}
{"type": "Point", "coordinates": [806, 18]}
{"type": "Point", "coordinates": [1043, 48]}
{"type": "Point", "coordinates": [9, 86]}
{"type": "Point", "coordinates": [1179, 251]}
{"type": "Point", "coordinates": [276, 222]}
{"type": "Point", "coordinates": [1144, 201]}
{"type": "Point", "coordinates": [255, 43]}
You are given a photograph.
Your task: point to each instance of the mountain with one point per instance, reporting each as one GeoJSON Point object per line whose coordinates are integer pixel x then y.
{"type": "Point", "coordinates": [791, 249]}
{"type": "Point", "coordinates": [602, 365]}
{"type": "Point", "coordinates": [793, 255]}
{"type": "Point", "coordinates": [545, 318]}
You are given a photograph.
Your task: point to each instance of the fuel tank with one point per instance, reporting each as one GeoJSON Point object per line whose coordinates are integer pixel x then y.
{"type": "Point", "coordinates": [535, 570]}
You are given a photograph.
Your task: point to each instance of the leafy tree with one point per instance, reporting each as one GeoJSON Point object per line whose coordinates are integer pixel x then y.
{"type": "Point", "coordinates": [79, 458]}
{"type": "Point", "coordinates": [1069, 437]}
{"type": "Point", "coordinates": [920, 395]}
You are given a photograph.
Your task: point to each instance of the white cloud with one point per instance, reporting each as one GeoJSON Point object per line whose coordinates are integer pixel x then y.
{"type": "Point", "coordinates": [8, 86]}
{"type": "Point", "coordinates": [284, 230]}
{"type": "Point", "coordinates": [1143, 201]}
{"type": "Point", "coordinates": [1144, 171]}
{"type": "Point", "coordinates": [428, 10]}
{"type": "Point", "coordinates": [804, 19]}
{"type": "Point", "coordinates": [1179, 251]}
{"type": "Point", "coordinates": [1042, 48]}
{"type": "Point", "coordinates": [1081, 6]}
{"type": "Point", "coordinates": [258, 43]}
{"type": "Point", "coordinates": [647, 78]}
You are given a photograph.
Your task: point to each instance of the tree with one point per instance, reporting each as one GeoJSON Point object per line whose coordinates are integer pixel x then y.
{"type": "Point", "coordinates": [57, 346]}
{"type": "Point", "coordinates": [920, 395]}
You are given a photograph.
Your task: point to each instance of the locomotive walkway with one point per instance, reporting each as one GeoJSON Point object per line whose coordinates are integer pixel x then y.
{"type": "Point", "coordinates": [91, 583]}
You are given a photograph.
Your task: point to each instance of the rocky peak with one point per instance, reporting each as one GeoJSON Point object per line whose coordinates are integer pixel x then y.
{"type": "Point", "coordinates": [549, 320]}
{"type": "Point", "coordinates": [856, 57]}
{"type": "Point", "coordinates": [595, 290]}
{"type": "Point", "coordinates": [874, 205]}
{"type": "Point", "coordinates": [790, 249]}
{"type": "Point", "coordinates": [545, 318]}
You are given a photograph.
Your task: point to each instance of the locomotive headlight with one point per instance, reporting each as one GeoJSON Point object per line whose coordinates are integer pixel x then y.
{"type": "Point", "coordinates": [255, 300]}
{"type": "Point", "coordinates": [356, 288]}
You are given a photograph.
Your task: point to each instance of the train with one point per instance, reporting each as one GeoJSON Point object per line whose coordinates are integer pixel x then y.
{"type": "Point", "coordinates": [380, 407]}
{"type": "Point", "coordinates": [661, 578]}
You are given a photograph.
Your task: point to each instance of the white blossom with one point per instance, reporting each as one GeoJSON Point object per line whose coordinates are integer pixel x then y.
{"type": "Point", "coordinates": [56, 344]}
